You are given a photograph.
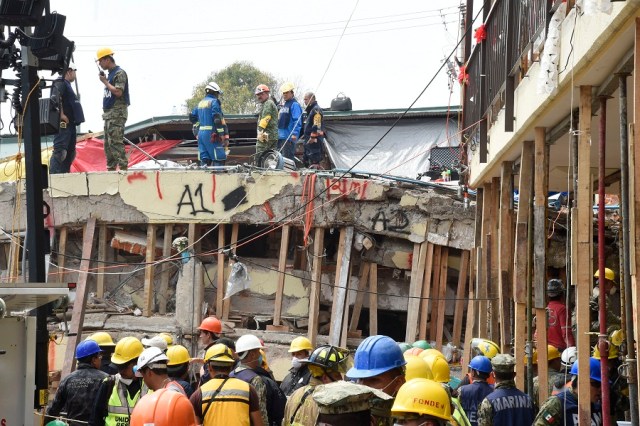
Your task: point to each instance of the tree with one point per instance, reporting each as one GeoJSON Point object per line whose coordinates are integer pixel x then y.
{"type": "Point", "coordinates": [238, 82]}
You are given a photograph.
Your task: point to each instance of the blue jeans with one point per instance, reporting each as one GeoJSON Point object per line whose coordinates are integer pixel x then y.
{"type": "Point", "coordinates": [64, 150]}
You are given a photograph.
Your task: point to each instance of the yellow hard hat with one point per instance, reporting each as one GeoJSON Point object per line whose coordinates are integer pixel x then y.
{"type": "Point", "coordinates": [552, 353]}
{"type": "Point", "coordinates": [423, 397]}
{"type": "Point", "coordinates": [439, 369]}
{"type": "Point", "coordinates": [219, 354]}
{"type": "Point", "coordinates": [300, 343]}
{"type": "Point", "coordinates": [608, 274]}
{"type": "Point", "coordinates": [613, 352]}
{"type": "Point", "coordinates": [484, 347]}
{"type": "Point", "coordinates": [104, 51]}
{"type": "Point", "coordinates": [127, 349]}
{"type": "Point", "coordinates": [102, 338]}
{"type": "Point", "coordinates": [617, 337]}
{"type": "Point", "coordinates": [430, 352]}
{"type": "Point", "coordinates": [178, 354]}
{"type": "Point", "coordinates": [167, 337]}
{"type": "Point", "coordinates": [265, 363]}
{"type": "Point", "coordinates": [416, 368]}
{"type": "Point", "coordinates": [287, 87]}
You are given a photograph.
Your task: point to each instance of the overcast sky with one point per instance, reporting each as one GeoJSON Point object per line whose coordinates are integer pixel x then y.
{"type": "Point", "coordinates": [389, 52]}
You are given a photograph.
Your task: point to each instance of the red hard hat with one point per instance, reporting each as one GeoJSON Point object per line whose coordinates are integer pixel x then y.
{"type": "Point", "coordinates": [163, 407]}
{"type": "Point", "coordinates": [262, 88]}
{"type": "Point", "coordinates": [211, 324]}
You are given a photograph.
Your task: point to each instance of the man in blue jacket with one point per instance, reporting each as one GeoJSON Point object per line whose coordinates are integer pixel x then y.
{"type": "Point", "coordinates": [289, 122]}
{"type": "Point", "coordinates": [213, 133]}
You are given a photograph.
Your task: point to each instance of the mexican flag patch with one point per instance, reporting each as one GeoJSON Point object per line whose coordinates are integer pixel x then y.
{"type": "Point", "coordinates": [548, 417]}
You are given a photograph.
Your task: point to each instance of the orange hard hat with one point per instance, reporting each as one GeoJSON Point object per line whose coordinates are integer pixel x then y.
{"type": "Point", "coordinates": [211, 324]}
{"type": "Point", "coordinates": [163, 407]}
{"type": "Point", "coordinates": [413, 351]}
{"type": "Point", "coordinates": [261, 89]}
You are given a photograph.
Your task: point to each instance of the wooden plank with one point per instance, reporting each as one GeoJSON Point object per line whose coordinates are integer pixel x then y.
{"type": "Point", "coordinates": [525, 193]}
{"type": "Point", "coordinates": [481, 305]}
{"type": "Point", "coordinates": [340, 289]}
{"type": "Point", "coordinates": [484, 273]}
{"type": "Point", "coordinates": [316, 276]}
{"type": "Point", "coordinates": [102, 256]}
{"type": "Point", "coordinates": [373, 299]}
{"type": "Point", "coordinates": [77, 317]}
{"type": "Point", "coordinates": [282, 267]}
{"type": "Point", "coordinates": [362, 286]}
{"type": "Point", "coordinates": [471, 314]}
{"type": "Point", "coordinates": [541, 190]}
{"type": "Point", "coordinates": [520, 335]}
{"type": "Point", "coordinates": [494, 284]}
{"type": "Point", "coordinates": [460, 298]}
{"type": "Point", "coordinates": [442, 294]}
{"type": "Point", "coordinates": [505, 256]}
{"type": "Point", "coordinates": [415, 290]}
{"type": "Point", "coordinates": [149, 270]}
{"type": "Point", "coordinates": [62, 254]}
{"type": "Point", "coordinates": [226, 304]}
{"type": "Point", "coordinates": [344, 333]}
{"type": "Point", "coordinates": [426, 293]}
{"type": "Point", "coordinates": [437, 256]}
{"type": "Point", "coordinates": [166, 269]}
{"type": "Point", "coordinates": [584, 214]}
{"type": "Point", "coordinates": [220, 272]}
{"type": "Point", "coordinates": [634, 192]}
{"type": "Point", "coordinates": [543, 363]}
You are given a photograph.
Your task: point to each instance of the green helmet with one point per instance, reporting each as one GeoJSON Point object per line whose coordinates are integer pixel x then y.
{"type": "Point", "coordinates": [404, 346]}
{"type": "Point", "coordinates": [422, 344]}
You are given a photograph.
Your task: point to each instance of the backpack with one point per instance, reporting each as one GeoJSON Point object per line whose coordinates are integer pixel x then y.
{"type": "Point", "coordinates": [276, 399]}
{"type": "Point", "coordinates": [341, 103]}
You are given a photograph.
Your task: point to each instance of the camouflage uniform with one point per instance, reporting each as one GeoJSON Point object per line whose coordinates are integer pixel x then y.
{"type": "Point", "coordinates": [346, 397]}
{"type": "Point", "coordinates": [556, 380]}
{"type": "Point", "coordinates": [307, 413]}
{"type": "Point", "coordinates": [114, 121]}
{"type": "Point", "coordinates": [261, 390]}
{"type": "Point", "coordinates": [552, 412]}
{"type": "Point", "coordinates": [267, 122]}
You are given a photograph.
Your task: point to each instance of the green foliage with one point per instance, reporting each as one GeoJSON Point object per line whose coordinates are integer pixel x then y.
{"type": "Point", "coordinates": [238, 82]}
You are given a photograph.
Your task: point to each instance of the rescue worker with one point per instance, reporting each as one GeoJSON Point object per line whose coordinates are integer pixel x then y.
{"type": "Point", "coordinates": [619, 387]}
{"type": "Point", "coordinates": [271, 398]}
{"type": "Point", "coordinates": [163, 408]}
{"type": "Point", "coordinates": [167, 338]}
{"type": "Point", "coordinates": [213, 133]}
{"type": "Point", "coordinates": [299, 373]}
{"type": "Point", "coordinates": [347, 404]}
{"type": "Point", "coordinates": [609, 289]}
{"type": "Point", "coordinates": [559, 333]}
{"type": "Point", "coordinates": [267, 132]}
{"type": "Point", "coordinates": [178, 367]}
{"type": "Point", "coordinates": [562, 409]}
{"type": "Point", "coordinates": [209, 332]}
{"type": "Point", "coordinates": [289, 122]}
{"type": "Point", "coordinates": [114, 105]}
{"type": "Point", "coordinates": [118, 394]}
{"type": "Point", "coordinates": [442, 374]}
{"type": "Point", "coordinates": [225, 400]}
{"type": "Point", "coordinates": [152, 368]}
{"type": "Point", "coordinates": [326, 364]}
{"type": "Point", "coordinates": [155, 342]}
{"type": "Point", "coordinates": [554, 374]}
{"type": "Point", "coordinates": [107, 346]}
{"type": "Point", "coordinates": [485, 347]}
{"type": "Point", "coordinates": [472, 395]}
{"type": "Point", "coordinates": [416, 368]}
{"type": "Point", "coordinates": [313, 133]}
{"type": "Point", "coordinates": [77, 391]}
{"type": "Point", "coordinates": [422, 402]}
{"type": "Point", "coordinates": [506, 405]}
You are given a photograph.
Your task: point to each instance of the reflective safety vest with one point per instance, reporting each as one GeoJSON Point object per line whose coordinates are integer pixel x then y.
{"type": "Point", "coordinates": [511, 407]}
{"type": "Point", "coordinates": [458, 413]}
{"type": "Point", "coordinates": [229, 400]}
{"type": "Point", "coordinates": [119, 413]}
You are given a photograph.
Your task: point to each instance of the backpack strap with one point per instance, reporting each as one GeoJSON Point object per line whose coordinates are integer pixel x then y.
{"type": "Point", "coordinates": [304, 397]}
{"type": "Point", "coordinates": [213, 397]}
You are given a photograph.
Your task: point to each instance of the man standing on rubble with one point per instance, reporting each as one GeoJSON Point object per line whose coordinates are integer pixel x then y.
{"type": "Point", "coordinates": [313, 133]}
{"type": "Point", "coordinates": [267, 121]}
{"type": "Point", "coordinates": [299, 373]}
{"type": "Point", "coordinates": [114, 104]}
{"type": "Point", "coordinates": [289, 122]}
{"type": "Point", "coordinates": [213, 133]}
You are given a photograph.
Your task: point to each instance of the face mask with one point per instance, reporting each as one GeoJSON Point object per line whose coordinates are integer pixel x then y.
{"type": "Point", "coordinates": [127, 382]}
{"type": "Point", "coordinates": [297, 362]}
{"type": "Point", "coordinates": [384, 389]}
{"type": "Point", "coordinates": [613, 290]}
{"type": "Point", "coordinates": [260, 360]}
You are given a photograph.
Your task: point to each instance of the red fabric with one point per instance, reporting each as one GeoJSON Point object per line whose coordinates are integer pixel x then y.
{"type": "Point", "coordinates": [463, 77]}
{"type": "Point", "coordinates": [559, 333]}
{"type": "Point", "coordinates": [90, 154]}
{"type": "Point", "coordinates": [480, 33]}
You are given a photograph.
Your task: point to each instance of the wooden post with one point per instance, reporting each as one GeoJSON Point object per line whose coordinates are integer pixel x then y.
{"type": "Point", "coordinates": [362, 286]}
{"type": "Point", "coordinates": [471, 307]}
{"type": "Point", "coordinates": [494, 283]}
{"type": "Point", "coordinates": [437, 256]}
{"type": "Point", "coordinates": [226, 304]}
{"type": "Point", "coordinates": [584, 226]}
{"type": "Point", "coordinates": [415, 290]}
{"type": "Point", "coordinates": [220, 273]}
{"type": "Point", "coordinates": [341, 283]}
{"type": "Point", "coordinates": [426, 293]}
{"type": "Point", "coordinates": [442, 293]}
{"type": "Point", "coordinates": [62, 254]}
{"type": "Point", "coordinates": [505, 257]}
{"type": "Point", "coordinates": [525, 193]}
{"type": "Point", "coordinates": [282, 267]}
{"type": "Point", "coordinates": [77, 318]}
{"type": "Point", "coordinates": [314, 293]}
{"type": "Point", "coordinates": [166, 269]}
{"type": "Point", "coordinates": [102, 256]}
{"type": "Point", "coordinates": [634, 193]}
{"type": "Point", "coordinates": [543, 359]}
{"type": "Point", "coordinates": [460, 298]}
{"type": "Point", "coordinates": [149, 270]}
{"type": "Point", "coordinates": [484, 274]}
{"type": "Point", "coordinates": [373, 299]}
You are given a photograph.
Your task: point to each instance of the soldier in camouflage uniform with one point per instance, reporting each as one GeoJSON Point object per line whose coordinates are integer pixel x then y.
{"type": "Point", "coordinates": [506, 405]}
{"type": "Point", "coordinates": [556, 379]}
{"type": "Point", "coordinates": [114, 104]}
{"type": "Point", "coordinates": [267, 121]}
{"type": "Point", "coordinates": [345, 403]}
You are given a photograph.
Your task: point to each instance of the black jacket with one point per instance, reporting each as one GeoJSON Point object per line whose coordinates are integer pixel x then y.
{"type": "Point", "coordinates": [295, 379]}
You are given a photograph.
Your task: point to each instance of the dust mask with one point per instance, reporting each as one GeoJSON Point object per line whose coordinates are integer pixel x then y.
{"type": "Point", "coordinates": [296, 363]}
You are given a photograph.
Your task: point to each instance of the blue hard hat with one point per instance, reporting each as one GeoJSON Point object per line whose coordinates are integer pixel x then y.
{"type": "Point", "coordinates": [374, 356]}
{"type": "Point", "coordinates": [481, 363]}
{"type": "Point", "coordinates": [87, 348]}
{"type": "Point", "coordinates": [594, 369]}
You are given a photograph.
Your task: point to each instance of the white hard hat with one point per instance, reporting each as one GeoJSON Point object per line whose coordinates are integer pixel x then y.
{"type": "Point", "coordinates": [569, 356]}
{"type": "Point", "coordinates": [248, 342]}
{"type": "Point", "coordinates": [152, 358]}
{"type": "Point", "coordinates": [213, 87]}
{"type": "Point", "coordinates": [155, 342]}
{"type": "Point", "coordinates": [72, 66]}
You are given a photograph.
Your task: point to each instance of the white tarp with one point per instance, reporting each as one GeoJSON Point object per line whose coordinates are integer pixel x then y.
{"type": "Point", "coordinates": [402, 152]}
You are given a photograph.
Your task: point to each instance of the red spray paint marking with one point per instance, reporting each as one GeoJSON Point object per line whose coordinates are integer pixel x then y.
{"type": "Point", "coordinates": [158, 185]}
{"type": "Point", "coordinates": [136, 176]}
{"type": "Point", "coordinates": [213, 191]}
{"type": "Point", "coordinates": [267, 208]}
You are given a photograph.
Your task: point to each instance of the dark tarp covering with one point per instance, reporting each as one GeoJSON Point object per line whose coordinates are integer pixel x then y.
{"type": "Point", "coordinates": [403, 152]}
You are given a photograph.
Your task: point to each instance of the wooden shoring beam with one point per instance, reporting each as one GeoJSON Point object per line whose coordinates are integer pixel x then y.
{"type": "Point", "coordinates": [634, 195]}
{"type": "Point", "coordinates": [373, 299]}
{"type": "Point", "coordinates": [163, 293]}
{"type": "Point", "coordinates": [460, 298]}
{"type": "Point", "coordinates": [102, 256]}
{"type": "Point", "coordinates": [282, 268]}
{"type": "Point", "coordinates": [442, 294]}
{"type": "Point", "coordinates": [316, 277]}
{"type": "Point", "coordinates": [341, 283]}
{"type": "Point", "coordinates": [437, 257]}
{"type": "Point", "coordinates": [149, 270]}
{"type": "Point", "coordinates": [426, 293]}
{"type": "Point", "coordinates": [220, 273]}
{"type": "Point", "coordinates": [62, 254]}
{"type": "Point", "coordinates": [505, 257]}
{"type": "Point", "coordinates": [484, 255]}
{"type": "Point", "coordinates": [226, 304]}
{"type": "Point", "coordinates": [494, 284]}
{"type": "Point", "coordinates": [472, 304]}
{"type": "Point", "coordinates": [520, 335]}
{"type": "Point", "coordinates": [362, 286]}
{"type": "Point", "coordinates": [584, 206]}
{"type": "Point", "coordinates": [543, 359]}
{"type": "Point", "coordinates": [77, 317]}
{"type": "Point", "coordinates": [415, 290]}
